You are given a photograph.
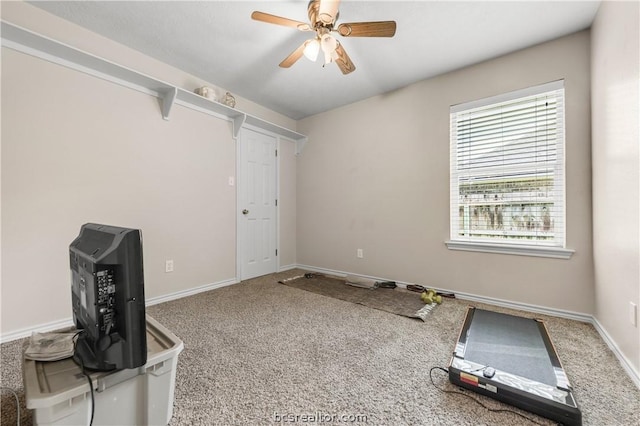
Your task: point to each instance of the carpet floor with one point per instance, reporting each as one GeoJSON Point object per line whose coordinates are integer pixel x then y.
{"type": "Point", "coordinates": [258, 351]}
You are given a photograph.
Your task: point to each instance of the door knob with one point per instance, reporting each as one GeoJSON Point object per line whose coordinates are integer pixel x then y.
{"type": "Point", "coordinates": [245, 211]}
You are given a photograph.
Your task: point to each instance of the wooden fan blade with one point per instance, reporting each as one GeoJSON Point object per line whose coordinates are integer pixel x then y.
{"type": "Point", "coordinates": [328, 11]}
{"type": "Point", "coordinates": [343, 61]}
{"type": "Point", "coordinates": [368, 29]}
{"type": "Point", "coordinates": [278, 20]}
{"type": "Point", "coordinates": [295, 55]}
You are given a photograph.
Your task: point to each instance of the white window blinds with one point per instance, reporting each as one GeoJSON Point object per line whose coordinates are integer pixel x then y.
{"type": "Point", "coordinates": [507, 168]}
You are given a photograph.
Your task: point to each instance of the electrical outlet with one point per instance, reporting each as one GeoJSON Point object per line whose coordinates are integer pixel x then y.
{"type": "Point", "coordinates": [168, 266]}
{"type": "Point", "coordinates": [232, 180]}
{"type": "Point", "coordinates": [359, 254]}
{"type": "Point", "coordinates": [633, 314]}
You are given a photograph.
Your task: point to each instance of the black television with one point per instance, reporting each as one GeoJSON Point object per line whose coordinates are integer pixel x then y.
{"type": "Point", "coordinates": [107, 296]}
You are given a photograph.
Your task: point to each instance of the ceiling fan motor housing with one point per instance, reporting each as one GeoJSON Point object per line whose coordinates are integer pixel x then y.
{"type": "Point", "coordinates": [318, 20]}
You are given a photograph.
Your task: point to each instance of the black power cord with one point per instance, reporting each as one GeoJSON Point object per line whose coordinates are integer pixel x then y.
{"type": "Point", "coordinates": [78, 360]}
{"type": "Point", "coordinates": [493, 410]}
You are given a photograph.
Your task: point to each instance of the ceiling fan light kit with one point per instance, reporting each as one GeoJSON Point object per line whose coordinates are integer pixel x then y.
{"type": "Point", "coordinates": [323, 15]}
{"type": "Point", "coordinates": [311, 49]}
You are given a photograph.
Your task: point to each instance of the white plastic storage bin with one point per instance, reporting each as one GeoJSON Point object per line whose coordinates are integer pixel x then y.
{"type": "Point", "coordinates": [60, 394]}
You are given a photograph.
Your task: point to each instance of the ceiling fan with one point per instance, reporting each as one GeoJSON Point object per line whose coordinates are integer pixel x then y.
{"type": "Point", "coordinates": [323, 15]}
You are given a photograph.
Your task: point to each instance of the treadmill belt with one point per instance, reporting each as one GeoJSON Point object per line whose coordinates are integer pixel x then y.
{"type": "Point", "coordinates": [509, 343]}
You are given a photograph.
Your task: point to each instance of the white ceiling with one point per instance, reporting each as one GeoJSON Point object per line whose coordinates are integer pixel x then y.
{"type": "Point", "coordinates": [219, 42]}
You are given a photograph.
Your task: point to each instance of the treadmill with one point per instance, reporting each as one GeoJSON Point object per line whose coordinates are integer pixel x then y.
{"type": "Point", "coordinates": [512, 359]}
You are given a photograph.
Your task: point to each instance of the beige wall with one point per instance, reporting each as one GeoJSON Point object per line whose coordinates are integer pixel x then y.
{"type": "Point", "coordinates": [375, 175]}
{"type": "Point", "coordinates": [79, 149]}
{"type": "Point", "coordinates": [616, 164]}
{"type": "Point", "coordinates": [287, 203]}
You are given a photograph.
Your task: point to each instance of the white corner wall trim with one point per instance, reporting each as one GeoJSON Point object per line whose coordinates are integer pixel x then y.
{"type": "Point", "coordinates": [577, 316]}
{"type": "Point", "coordinates": [628, 367]}
{"type": "Point", "coordinates": [68, 322]}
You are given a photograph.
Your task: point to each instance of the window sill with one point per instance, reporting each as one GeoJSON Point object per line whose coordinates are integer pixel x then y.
{"type": "Point", "coordinates": [521, 250]}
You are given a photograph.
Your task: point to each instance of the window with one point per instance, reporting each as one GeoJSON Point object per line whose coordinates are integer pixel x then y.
{"type": "Point", "coordinates": [507, 173]}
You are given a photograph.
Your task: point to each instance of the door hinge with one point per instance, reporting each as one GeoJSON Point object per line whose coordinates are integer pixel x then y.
{"type": "Point", "coordinates": [276, 152]}
{"type": "Point", "coordinates": [276, 252]}
{"type": "Point", "coordinates": [276, 202]}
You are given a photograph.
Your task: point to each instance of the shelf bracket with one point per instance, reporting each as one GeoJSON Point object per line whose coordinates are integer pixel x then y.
{"type": "Point", "coordinates": [300, 143]}
{"type": "Point", "coordinates": [238, 121]}
{"type": "Point", "coordinates": [168, 97]}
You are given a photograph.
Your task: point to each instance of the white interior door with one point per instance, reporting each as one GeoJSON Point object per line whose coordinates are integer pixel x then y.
{"type": "Point", "coordinates": [257, 206]}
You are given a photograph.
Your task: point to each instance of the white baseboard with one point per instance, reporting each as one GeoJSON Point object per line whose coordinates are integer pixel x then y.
{"type": "Point", "coordinates": [537, 309]}
{"type": "Point", "coordinates": [190, 292]}
{"type": "Point", "coordinates": [577, 316]}
{"type": "Point", "coordinates": [336, 273]}
{"type": "Point", "coordinates": [40, 328]}
{"type": "Point", "coordinates": [68, 322]}
{"type": "Point", "coordinates": [628, 367]}
{"type": "Point", "coordinates": [287, 268]}
{"type": "Point", "coordinates": [470, 297]}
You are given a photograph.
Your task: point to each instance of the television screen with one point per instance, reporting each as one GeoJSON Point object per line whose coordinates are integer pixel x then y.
{"type": "Point", "coordinates": [107, 295]}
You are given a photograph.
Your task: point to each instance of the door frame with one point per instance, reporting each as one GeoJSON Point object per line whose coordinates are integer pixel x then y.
{"type": "Point", "coordinates": [240, 141]}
